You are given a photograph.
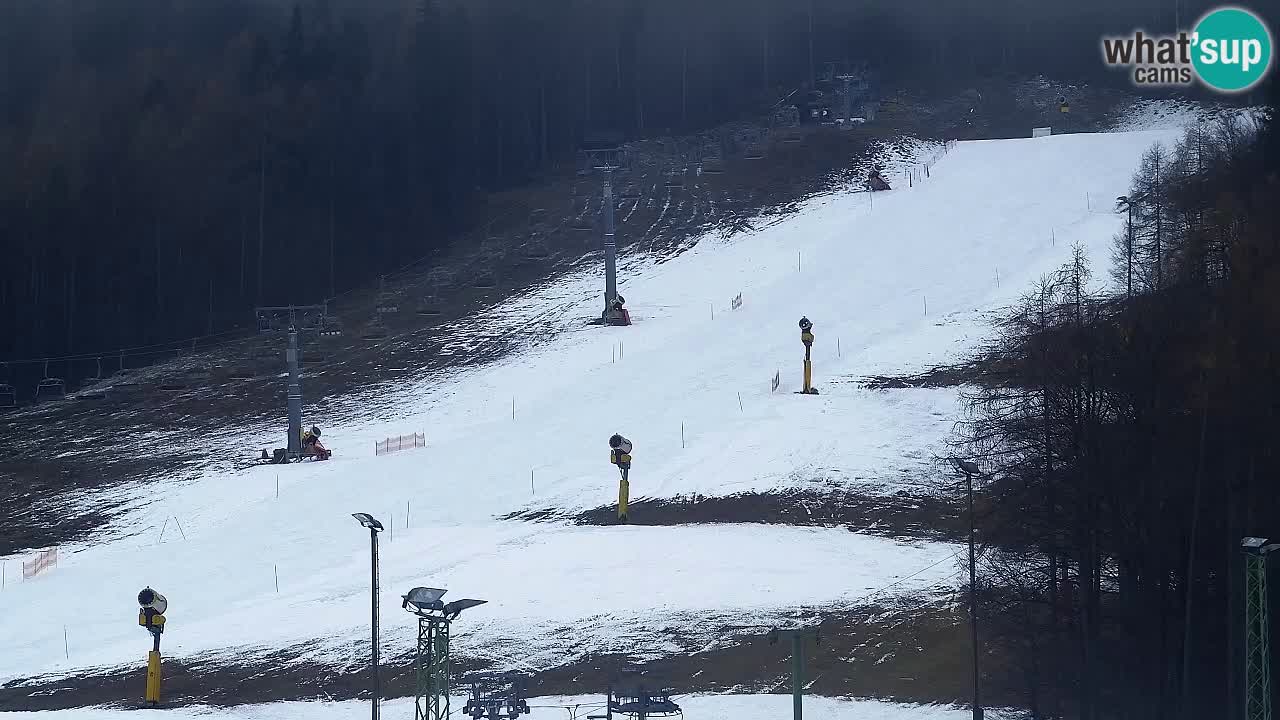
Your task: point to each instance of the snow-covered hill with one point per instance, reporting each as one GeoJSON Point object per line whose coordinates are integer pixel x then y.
{"type": "Point", "coordinates": [703, 707]}
{"type": "Point", "coordinates": [894, 283]}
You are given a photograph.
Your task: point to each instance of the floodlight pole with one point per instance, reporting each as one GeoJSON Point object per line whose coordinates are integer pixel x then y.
{"type": "Point", "coordinates": [797, 675]}
{"type": "Point", "coordinates": [374, 526]}
{"type": "Point", "coordinates": [1128, 245]}
{"type": "Point", "coordinates": [1257, 650]}
{"type": "Point", "coordinates": [973, 598]}
{"type": "Point", "coordinates": [431, 669]}
{"type": "Point", "coordinates": [377, 685]}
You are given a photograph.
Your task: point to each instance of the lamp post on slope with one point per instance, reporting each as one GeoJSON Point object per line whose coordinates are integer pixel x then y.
{"type": "Point", "coordinates": [970, 468]}
{"type": "Point", "coordinates": [1123, 201]}
{"type": "Point", "coordinates": [375, 527]}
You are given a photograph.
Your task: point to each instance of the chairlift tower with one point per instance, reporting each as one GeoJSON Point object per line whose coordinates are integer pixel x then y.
{"type": "Point", "coordinates": [306, 317]}
{"type": "Point", "coordinates": [605, 154]}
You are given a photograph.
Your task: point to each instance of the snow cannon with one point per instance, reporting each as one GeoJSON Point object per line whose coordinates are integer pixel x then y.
{"type": "Point", "coordinates": [806, 337]}
{"type": "Point", "coordinates": [620, 455]}
{"type": "Point", "coordinates": [151, 616]}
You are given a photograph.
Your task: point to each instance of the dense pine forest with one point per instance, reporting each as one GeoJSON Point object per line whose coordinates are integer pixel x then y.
{"type": "Point", "coordinates": [1128, 437]}
{"type": "Point", "coordinates": [165, 165]}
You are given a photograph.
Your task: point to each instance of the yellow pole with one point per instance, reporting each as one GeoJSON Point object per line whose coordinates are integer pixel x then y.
{"type": "Point", "coordinates": [624, 491]}
{"type": "Point", "coordinates": [153, 677]}
{"type": "Point", "coordinates": [808, 370]}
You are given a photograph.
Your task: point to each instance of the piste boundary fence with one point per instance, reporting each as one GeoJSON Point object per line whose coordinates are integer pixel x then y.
{"type": "Point", "coordinates": [43, 561]}
{"type": "Point", "coordinates": [403, 442]}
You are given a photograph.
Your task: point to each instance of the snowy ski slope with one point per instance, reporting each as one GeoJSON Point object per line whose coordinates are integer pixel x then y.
{"type": "Point", "coordinates": [892, 286]}
{"type": "Point", "coordinates": [702, 707]}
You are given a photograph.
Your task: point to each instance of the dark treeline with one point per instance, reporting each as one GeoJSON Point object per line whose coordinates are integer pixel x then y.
{"type": "Point", "coordinates": [167, 164]}
{"type": "Point", "coordinates": [1131, 441]}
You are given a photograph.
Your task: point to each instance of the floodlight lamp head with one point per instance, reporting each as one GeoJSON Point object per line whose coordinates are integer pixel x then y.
{"type": "Point", "coordinates": [423, 599]}
{"type": "Point", "coordinates": [968, 467]}
{"type": "Point", "coordinates": [1258, 546]}
{"type": "Point", "coordinates": [454, 609]}
{"type": "Point", "coordinates": [368, 521]}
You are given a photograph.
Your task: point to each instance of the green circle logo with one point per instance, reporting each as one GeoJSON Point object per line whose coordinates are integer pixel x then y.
{"type": "Point", "coordinates": [1231, 49]}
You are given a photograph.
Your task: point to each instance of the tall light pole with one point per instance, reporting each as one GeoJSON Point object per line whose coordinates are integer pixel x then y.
{"type": "Point", "coordinates": [1128, 245]}
{"type": "Point", "coordinates": [1257, 645]}
{"type": "Point", "coordinates": [432, 660]}
{"type": "Point", "coordinates": [375, 527]}
{"type": "Point", "coordinates": [970, 468]}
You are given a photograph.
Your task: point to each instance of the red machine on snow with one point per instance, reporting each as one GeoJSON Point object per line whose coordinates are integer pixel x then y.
{"type": "Point", "coordinates": [311, 449]}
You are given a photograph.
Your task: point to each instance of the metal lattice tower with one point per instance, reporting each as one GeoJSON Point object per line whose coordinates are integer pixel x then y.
{"type": "Point", "coordinates": [431, 670]}
{"type": "Point", "coordinates": [432, 660]}
{"type": "Point", "coordinates": [1257, 646]}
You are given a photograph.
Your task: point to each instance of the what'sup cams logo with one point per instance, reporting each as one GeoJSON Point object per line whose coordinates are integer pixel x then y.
{"type": "Point", "coordinates": [1229, 50]}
